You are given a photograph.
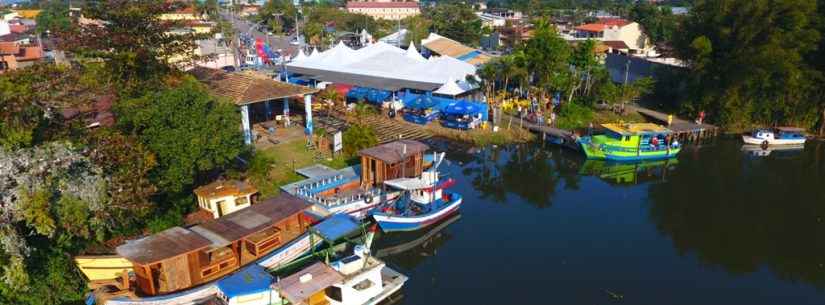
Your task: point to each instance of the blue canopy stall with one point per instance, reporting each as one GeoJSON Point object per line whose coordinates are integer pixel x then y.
{"type": "Point", "coordinates": [375, 96]}
{"type": "Point", "coordinates": [420, 109]}
{"type": "Point", "coordinates": [463, 114]}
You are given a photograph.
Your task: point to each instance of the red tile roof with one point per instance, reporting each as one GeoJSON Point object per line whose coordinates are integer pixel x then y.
{"type": "Point", "coordinates": [602, 24]}
{"type": "Point", "coordinates": [356, 4]}
{"type": "Point", "coordinates": [18, 28]}
{"type": "Point", "coordinates": [9, 48]}
{"type": "Point", "coordinates": [30, 53]}
{"type": "Point", "coordinates": [616, 44]}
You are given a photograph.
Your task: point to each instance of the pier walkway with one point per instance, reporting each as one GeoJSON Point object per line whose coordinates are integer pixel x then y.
{"type": "Point", "coordinates": [684, 130]}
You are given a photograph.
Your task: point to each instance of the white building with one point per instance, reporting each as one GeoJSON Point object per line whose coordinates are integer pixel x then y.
{"type": "Point", "coordinates": [491, 21]}
{"type": "Point", "coordinates": [618, 34]}
{"type": "Point", "coordinates": [224, 197]}
{"type": "Point", "coordinates": [384, 9]}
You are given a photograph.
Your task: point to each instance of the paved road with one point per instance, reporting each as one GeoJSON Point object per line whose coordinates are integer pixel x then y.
{"type": "Point", "coordinates": [276, 42]}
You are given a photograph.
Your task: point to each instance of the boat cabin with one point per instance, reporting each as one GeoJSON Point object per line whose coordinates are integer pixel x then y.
{"type": "Point", "coordinates": [252, 285]}
{"type": "Point", "coordinates": [309, 286]}
{"type": "Point", "coordinates": [399, 159]}
{"type": "Point", "coordinates": [225, 196]}
{"type": "Point", "coordinates": [180, 258]}
{"type": "Point", "coordinates": [641, 136]}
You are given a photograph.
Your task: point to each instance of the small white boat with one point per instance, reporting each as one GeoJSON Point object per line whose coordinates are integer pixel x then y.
{"type": "Point", "coordinates": [775, 136]}
{"type": "Point", "coordinates": [359, 279]}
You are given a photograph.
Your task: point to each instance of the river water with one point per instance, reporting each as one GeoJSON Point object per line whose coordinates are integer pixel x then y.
{"type": "Point", "coordinates": [540, 225]}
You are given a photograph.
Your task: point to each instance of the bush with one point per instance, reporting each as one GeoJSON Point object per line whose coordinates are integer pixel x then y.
{"type": "Point", "coordinates": [572, 116]}
{"type": "Point", "coordinates": [358, 137]}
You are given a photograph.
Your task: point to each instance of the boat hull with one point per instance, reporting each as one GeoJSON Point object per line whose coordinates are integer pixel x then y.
{"type": "Point", "coordinates": [389, 223]}
{"type": "Point", "coordinates": [757, 141]}
{"type": "Point", "coordinates": [624, 156]}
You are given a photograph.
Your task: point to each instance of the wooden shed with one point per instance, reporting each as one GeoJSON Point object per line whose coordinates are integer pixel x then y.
{"type": "Point", "coordinates": [399, 159]}
{"type": "Point", "coordinates": [179, 258]}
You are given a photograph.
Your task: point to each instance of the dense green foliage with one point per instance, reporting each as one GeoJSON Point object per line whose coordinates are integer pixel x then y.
{"type": "Point", "coordinates": [67, 188]}
{"type": "Point", "coordinates": [189, 130]}
{"type": "Point", "coordinates": [358, 137]}
{"type": "Point", "coordinates": [658, 22]}
{"type": "Point", "coordinates": [751, 62]}
{"type": "Point", "coordinates": [456, 21]}
{"type": "Point", "coordinates": [54, 17]}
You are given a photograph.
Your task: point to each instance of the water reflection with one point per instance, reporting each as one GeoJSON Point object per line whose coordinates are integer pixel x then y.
{"type": "Point", "coordinates": [527, 171]}
{"type": "Point", "coordinates": [741, 214]}
{"type": "Point", "coordinates": [784, 151]}
{"type": "Point", "coordinates": [625, 173]}
{"type": "Point", "coordinates": [410, 249]}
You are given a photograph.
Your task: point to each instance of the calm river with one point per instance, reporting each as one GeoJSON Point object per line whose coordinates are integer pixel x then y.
{"type": "Point", "coordinates": [540, 225]}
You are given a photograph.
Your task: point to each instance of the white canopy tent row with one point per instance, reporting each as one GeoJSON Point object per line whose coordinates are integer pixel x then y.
{"type": "Point", "coordinates": [384, 66]}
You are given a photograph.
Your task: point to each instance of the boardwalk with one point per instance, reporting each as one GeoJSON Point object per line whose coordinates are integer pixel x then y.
{"type": "Point", "coordinates": [683, 129]}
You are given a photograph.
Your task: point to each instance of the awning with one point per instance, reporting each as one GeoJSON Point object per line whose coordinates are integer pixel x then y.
{"type": "Point", "coordinates": [336, 227]}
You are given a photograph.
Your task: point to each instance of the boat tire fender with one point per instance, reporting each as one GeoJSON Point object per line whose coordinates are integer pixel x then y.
{"type": "Point", "coordinates": [765, 144]}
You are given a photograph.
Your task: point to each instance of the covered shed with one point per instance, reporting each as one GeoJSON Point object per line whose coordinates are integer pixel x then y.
{"type": "Point", "coordinates": [248, 88]}
{"type": "Point", "coordinates": [398, 159]}
{"type": "Point", "coordinates": [252, 285]}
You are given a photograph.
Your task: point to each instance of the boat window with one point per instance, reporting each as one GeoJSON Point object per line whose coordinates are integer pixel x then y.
{"type": "Point", "coordinates": [334, 293]}
{"type": "Point", "coordinates": [363, 285]}
{"type": "Point", "coordinates": [627, 138]}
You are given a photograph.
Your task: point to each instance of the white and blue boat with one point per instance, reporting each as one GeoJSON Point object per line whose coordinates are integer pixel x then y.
{"type": "Point", "coordinates": [423, 202]}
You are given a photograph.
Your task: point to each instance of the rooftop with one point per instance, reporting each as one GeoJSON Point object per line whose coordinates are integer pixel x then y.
{"type": "Point", "coordinates": [164, 245]}
{"type": "Point", "coordinates": [297, 288]}
{"type": "Point", "coordinates": [358, 4]}
{"type": "Point", "coordinates": [222, 188]}
{"type": "Point", "coordinates": [392, 152]}
{"type": "Point", "coordinates": [247, 87]}
{"type": "Point", "coordinates": [635, 128]}
{"type": "Point", "coordinates": [249, 280]}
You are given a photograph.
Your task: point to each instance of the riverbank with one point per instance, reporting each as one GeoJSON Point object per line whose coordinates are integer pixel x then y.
{"type": "Point", "coordinates": [482, 136]}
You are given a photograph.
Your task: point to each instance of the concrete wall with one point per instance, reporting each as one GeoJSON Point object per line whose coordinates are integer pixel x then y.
{"type": "Point", "coordinates": [631, 34]}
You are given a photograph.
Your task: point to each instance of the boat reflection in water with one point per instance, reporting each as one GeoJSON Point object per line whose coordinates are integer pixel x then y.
{"type": "Point", "coordinates": [782, 151]}
{"type": "Point", "coordinates": [624, 173]}
{"type": "Point", "coordinates": [409, 249]}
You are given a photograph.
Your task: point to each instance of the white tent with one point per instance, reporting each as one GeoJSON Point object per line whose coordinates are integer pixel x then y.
{"type": "Point", "coordinates": [381, 60]}
{"type": "Point", "coordinates": [413, 53]}
{"type": "Point", "coordinates": [300, 57]}
{"type": "Point", "coordinates": [454, 88]}
{"type": "Point", "coordinates": [314, 53]}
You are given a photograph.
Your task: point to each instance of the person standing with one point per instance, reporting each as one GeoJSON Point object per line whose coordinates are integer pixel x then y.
{"type": "Point", "coordinates": [552, 118]}
{"type": "Point", "coordinates": [669, 119]}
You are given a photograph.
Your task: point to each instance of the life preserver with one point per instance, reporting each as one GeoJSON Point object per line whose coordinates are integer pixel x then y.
{"type": "Point", "coordinates": [368, 199]}
{"type": "Point", "coordinates": [765, 143]}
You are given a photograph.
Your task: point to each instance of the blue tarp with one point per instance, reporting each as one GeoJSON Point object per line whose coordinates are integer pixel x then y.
{"type": "Point", "coordinates": [336, 226]}
{"type": "Point", "coordinates": [440, 104]}
{"type": "Point", "coordinates": [369, 94]}
{"type": "Point", "coordinates": [250, 280]}
{"type": "Point", "coordinates": [462, 108]}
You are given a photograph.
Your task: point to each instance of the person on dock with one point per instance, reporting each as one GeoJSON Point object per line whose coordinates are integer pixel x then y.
{"type": "Point", "coordinates": [669, 119]}
{"type": "Point", "coordinates": [701, 118]}
{"type": "Point", "coordinates": [590, 129]}
{"type": "Point", "coordinates": [552, 122]}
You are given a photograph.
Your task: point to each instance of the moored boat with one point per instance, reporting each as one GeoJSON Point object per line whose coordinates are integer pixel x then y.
{"type": "Point", "coordinates": [775, 136]}
{"type": "Point", "coordinates": [631, 142]}
{"type": "Point", "coordinates": [424, 202]}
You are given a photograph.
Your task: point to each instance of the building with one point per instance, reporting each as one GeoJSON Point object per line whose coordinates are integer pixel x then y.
{"type": "Point", "coordinates": [618, 34]}
{"type": "Point", "coordinates": [185, 13]}
{"type": "Point", "coordinates": [491, 21]}
{"type": "Point", "coordinates": [440, 45]}
{"type": "Point", "coordinates": [384, 9]}
{"type": "Point", "coordinates": [399, 159]}
{"type": "Point", "coordinates": [14, 55]}
{"type": "Point", "coordinates": [225, 196]}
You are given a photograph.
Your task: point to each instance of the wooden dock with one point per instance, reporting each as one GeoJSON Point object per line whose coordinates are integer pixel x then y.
{"type": "Point", "coordinates": [565, 137]}
{"type": "Point", "coordinates": [683, 130]}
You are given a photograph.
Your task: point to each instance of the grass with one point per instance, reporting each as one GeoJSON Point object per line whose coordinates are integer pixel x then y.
{"type": "Point", "coordinates": [482, 137]}
{"type": "Point", "coordinates": [275, 166]}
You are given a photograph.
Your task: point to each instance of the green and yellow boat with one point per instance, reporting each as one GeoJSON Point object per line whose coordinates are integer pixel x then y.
{"type": "Point", "coordinates": [631, 142]}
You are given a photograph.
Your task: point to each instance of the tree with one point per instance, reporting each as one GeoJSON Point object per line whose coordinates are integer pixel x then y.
{"type": "Point", "coordinates": [136, 46]}
{"type": "Point", "coordinates": [54, 17]}
{"type": "Point", "coordinates": [417, 27]}
{"type": "Point", "coordinates": [280, 12]}
{"type": "Point", "coordinates": [358, 137]}
{"type": "Point", "coordinates": [547, 57]}
{"type": "Point", "coordinates": [747, 61]}
{"type": "Point", "coordinates": [189, 131]}
{"type": "Point", "coordinates": [456, 21]}
{"type": "Point", "coordinates": [658, 21]}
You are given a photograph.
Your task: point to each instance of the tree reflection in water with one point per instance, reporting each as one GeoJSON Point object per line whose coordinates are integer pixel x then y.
{"type": "Point", "coordinates": [742, 213]}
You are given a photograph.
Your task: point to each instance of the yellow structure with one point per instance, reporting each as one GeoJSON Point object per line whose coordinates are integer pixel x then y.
{"type": "Point", "coordinates": [635, 128]}
{"type": "Point", "coordinates": [225, 196]}
{"type": "Point", "coordinates": [27, 14]}
{"type": "Point", "coordinates": [187, 13]}
{"type": "Point", "coordinates": [103, 267]}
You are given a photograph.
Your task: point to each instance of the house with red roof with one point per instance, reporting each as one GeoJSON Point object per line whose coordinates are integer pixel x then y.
{"type": "Point", "coordinates": [616, 33]}
{"type": "Point", "coordinates": [14, 55]}
{"type": "Point", "coordinates": [384, 9]}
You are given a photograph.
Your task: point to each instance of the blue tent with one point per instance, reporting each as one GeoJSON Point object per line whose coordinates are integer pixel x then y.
{"type": "Point", "coordinates": [462, 108]}
{"type": "Point", "coordinates": [422, 101]}
{"type": "Point", "coordinates": [369, 94]}
{"type": "Point", "coordinates": [336, 227]}
{"type": "Point", "coordinates": [250, 280]}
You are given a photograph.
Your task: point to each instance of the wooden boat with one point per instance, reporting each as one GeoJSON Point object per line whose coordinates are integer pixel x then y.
{"type": "Point", "coordinates": [631, 142]}
{"type": "Point", "coordinates": [423, 203]}
{"type": "Point", "coordinates": [179, 265]}
{"type": "Point", "coordinates": [775, 136]}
